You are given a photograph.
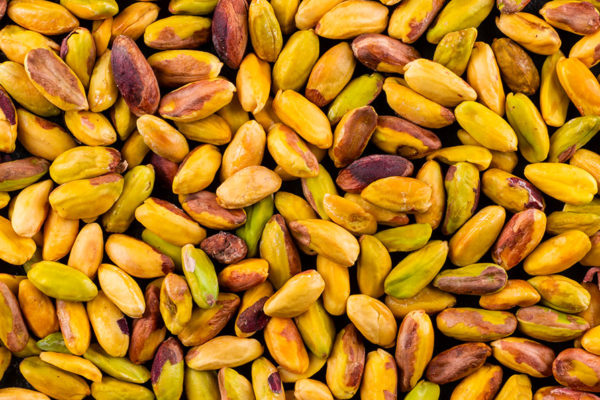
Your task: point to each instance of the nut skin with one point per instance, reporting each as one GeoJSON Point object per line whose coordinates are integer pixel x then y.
{"type": "Point", "coordinates": [120, 368]}
{"type": "Point", "coordinates": [549, 325]}
{"type": "Point", "coordinates": [524, 355]}
{"type": "Point", "coordinates": [233, 385]}
{"type": "Point", "coordinates": [317, 330]}
{"type": "Point", "coordinates": [306, 389]}
{"type": "Point", "coordinates": [205, 324]}
{"type": "Point", "coordinates": [411, 19]}
{"type": "Point", "coordinates": [260, 182]}
{"type": "Point", "coordinates": [258, 216]}
{"type": "Point", "coordinates": [14, 79]}
{"type": "Point", "coordinates": [429, 299]}
{"type": "Point", "coordinates": [14, 334]}
{"type": "Point", "coordinates": [296, 295]}
{"type": "Point", "coordinates": [517, 68]}
{"type": "Point", "coordinates": [382, 53]}
{"type": "Point", "coordinates": [243, 275]}
{"type": "Point", "coordinates": [366, 170]}
{"type": "Point", "coordinates": [230, 31]}
{"type": "Point", "coordinates": [474, 279]}
{"type": "Point", "coordinates": [168, 370]}
{"type": "Point", "coordinates": [346, 363]}
{"type": "Point", "coordinates": [253, 83]}
{"type": "Point", "coordinates": [196, 100]}
{"type": "Point", "coordinates": [473, 324]}
{"type": "Point", "coordinates": [149, 330]}
{"type": "Point", "coordinates": [203, 207]}
{"type": "Point", "coordinates": [352, 134]}
{"type": "Point", "coordinates": [37, 310]}
{"type": "Point", "coordinates": [397, 136]}
{"type": "Point", "coordinates": [457, 362]}
{"type": "Point", "coordinates": [225, 247]}
{"type": "Point", "coordinates": [577, 369]}
{"type": "Point", "coordinates": [223, 351]}
{"type": "Point", "coordinates": [134, 77]}
{"type": "Point", "coordinates": [175, 68]}
{"type": "Point", "coordinates": [291, 153]}
{"type": "Point", "coordinates": [78, 50]}
{"type": "Point", "coordinates": [510, 191]}
{"type": "Point", "coordinates": [585, 49]}
{"type": "Point", "coordinates": [424, 390]}
{"type": "Point", "coordinates": [405, 238]}
{"type": "Point", "coordinates": [75, 325]}
{"type": "Point", "coordinates": [43, 67]}
{"type": "Point", "coordinates": [175, 303]}
{"type": "Point", "coordinates": [564, 142]}
{"type": "Point", "coordinates": [200, 385]}
{"type": "Point", "coordinates": [61, 282]}
{"type": "Point", "coordinates": [266, 381]}
{"type": "Point", "coordinates": [251, 317]}
{"type": "Point", "coordinates": [16, 42]}
{"type": "Point", "coordinates": [578, 18]}
{"type": "Point", "coordinates": [414, 348]}
{"type": "Point", "coordinates": [520, 236]}
{"type": "Point", "coordinates": [294, 64]}
{"type": "Point", "coordinates": [200, 275]}
{"type": "Point", "coordinates": [315, 189]}
{"type": "Point", "coordinates": [8, 120]}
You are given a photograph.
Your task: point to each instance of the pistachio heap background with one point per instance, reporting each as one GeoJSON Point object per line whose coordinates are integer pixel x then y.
{"type": "Point", "coordinates": [210, 165]}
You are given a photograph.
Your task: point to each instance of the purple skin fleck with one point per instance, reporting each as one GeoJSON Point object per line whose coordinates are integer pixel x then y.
{"type": "Point", "coordinates": [123, 325]}
{"type": "Point", "coordinates": [274, 382]}
{"type": "Point", "coordinates": [169, 350]}
{"type": "Point", "coordinates": [253, 318]}
{"type": "Point", "coordinates": [7, 108]}
{"type": "Point", "coordinates": [535, 198]}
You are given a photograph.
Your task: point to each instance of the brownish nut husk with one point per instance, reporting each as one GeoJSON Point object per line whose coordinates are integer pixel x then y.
{"type": "Point", "coordinates": [578, 17]}
{"type": "Point", "coordinates": [352, 134]}
{"type": "Point", "coordinates": [230, 31]}
{"type": "Point", "coordinates": [474, 279]}
{"type": "Point", "coordinates": [509, 191]}
{"type": "Point", "coordinates": [395, 135]}
{"type": "Point", "coordinates": [197, 100]}
{"type": "Point", "coordinates": [149, 331]}
{"type": "Point", "coordinates": [134, 76]}
{"type": "Point", "coordinates": [473, 324]}
{"type": "Point", "coordinates": [411, 18]}
{"type": "Point", "coordinates": [13, 331]}
{"type": "Point", "coordinates": [55, 80]}
{"type": "Point", "coordinates": [366, 170]}
{"type": "Point", "coordinates": [346, 363]}
{"type": "Point", "coordinates": [174, 68]}
{"type": "Point", "coordinates": [521, 235]}
{"type": "Point", "coordinates": [517, 67]}
{"type": "Point", "coordinates": [204, 208]}
{"type": "Point", "coordinates": [225, 247]}
{"type": "Point", "coordinates": [577, 369]}
{"type": "Point", "coordinates": [8, 122]}
{"type": "Point", "coordinates": [457, 362]}
{"type": "Point", "coordinates": [524, 355]}
{"type": "Point", "coordinates": [382, 53]}
{"type": "Point", "coordinates": [414, 348]}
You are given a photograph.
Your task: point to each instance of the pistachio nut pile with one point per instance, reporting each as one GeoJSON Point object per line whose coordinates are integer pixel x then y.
{"type": "Point", "coordinates": [301, 200]}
